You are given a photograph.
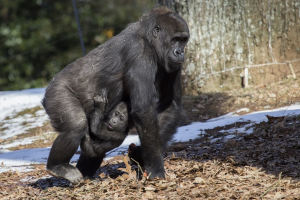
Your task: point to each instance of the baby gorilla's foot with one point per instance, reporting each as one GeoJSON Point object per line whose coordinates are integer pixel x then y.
{"type": "Point", "coordinates": [135, 154]}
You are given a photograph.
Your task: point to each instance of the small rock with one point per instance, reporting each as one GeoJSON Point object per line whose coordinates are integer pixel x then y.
{"type": "Point", "coordinates": [149, 188]}
{"type": "Point", "coordinates": [198, 180]}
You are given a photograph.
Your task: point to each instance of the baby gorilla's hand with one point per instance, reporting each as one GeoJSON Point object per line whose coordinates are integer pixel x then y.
{"type": "Point", "coordinates": [102, 98]}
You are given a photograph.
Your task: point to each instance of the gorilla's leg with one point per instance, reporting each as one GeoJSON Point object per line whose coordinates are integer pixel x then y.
{"type": "Point", "coordinates": [89, 165]}
{"type": "Point", "coordinates": [64, 147]}
{"type": "Point", "coordinates": [168, 122]}
{"type": "Point", "coordinates": [68, 117]}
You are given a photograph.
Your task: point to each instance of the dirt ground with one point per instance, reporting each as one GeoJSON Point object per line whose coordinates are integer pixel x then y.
{"type": "Point", "coordinates": [261, 165]}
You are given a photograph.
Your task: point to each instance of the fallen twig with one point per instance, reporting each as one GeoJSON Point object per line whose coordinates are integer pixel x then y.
{"type": "Point", "coordinates": [271, 188]}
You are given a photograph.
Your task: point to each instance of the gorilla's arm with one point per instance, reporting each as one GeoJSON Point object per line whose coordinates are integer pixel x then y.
{"type": "Point", "coordinates": [144, 114]}
{"type": "Point", "coordinates": [169, 105]}
{"type": "Point", "coordinates": [94, 147]}
{"type": "Point", "coordinates": [168, 123]}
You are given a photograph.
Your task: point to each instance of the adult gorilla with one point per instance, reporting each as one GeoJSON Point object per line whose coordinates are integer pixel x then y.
{"type": "Point", "coordinates": [141, 62]}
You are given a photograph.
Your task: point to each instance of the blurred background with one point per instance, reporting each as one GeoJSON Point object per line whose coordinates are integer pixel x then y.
{"type": "Point", "coordinates": [233, 44]}
{"type": "Point", "coordinates": [38, 38]}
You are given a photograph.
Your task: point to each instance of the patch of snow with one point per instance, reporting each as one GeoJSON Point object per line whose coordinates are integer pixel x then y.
{"type": "Point", "coordinates": [14, 159]}
{"type": "Point", "coordinates": [14, 126]}
{"type": "Point", "coordinates": [192, 131]}
{"type": "Point", "coordinates": [27, 140]}
{"type": "Point", "coordinates": [243, 110]}
{"type": "Point", "coordinates": [15, 101]}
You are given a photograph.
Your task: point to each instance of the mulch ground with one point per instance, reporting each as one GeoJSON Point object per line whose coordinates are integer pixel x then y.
{"type": "Point", "coordinates": [261, 165]}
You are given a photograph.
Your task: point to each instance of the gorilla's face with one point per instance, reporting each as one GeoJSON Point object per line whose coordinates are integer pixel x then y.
{"type": "Point", "coordinates": [176, 52]}
{"type": "Point", "coordinates": [118, 118]}
{"type": "Point", "coordinates": [171, 36]}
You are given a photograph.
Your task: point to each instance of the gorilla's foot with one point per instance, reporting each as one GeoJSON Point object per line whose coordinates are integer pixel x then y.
{"type": "Point", "coordinates": [155, 174]}
{"type": "Point", "coordinates": [156, 169]}
{"type": "Point", "coordinates": [66, 171]}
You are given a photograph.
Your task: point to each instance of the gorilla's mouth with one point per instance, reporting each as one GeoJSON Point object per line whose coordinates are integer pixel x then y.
{"type": "Point", "coordinates": [177, 61]}
{"type": "Point", "coordinates": [110, 127]}
{"type": "Point", "coordinates": [175, 64]}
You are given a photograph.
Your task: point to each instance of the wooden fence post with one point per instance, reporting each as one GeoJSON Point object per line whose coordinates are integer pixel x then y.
{"type": "Point", "coordinates": [292, 70]}
{"type": "Point", "coordinates": [246, 75]}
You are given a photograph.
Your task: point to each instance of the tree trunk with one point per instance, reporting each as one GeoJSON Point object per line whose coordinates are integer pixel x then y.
{"type": "Point", "coordinates": [228, 36]}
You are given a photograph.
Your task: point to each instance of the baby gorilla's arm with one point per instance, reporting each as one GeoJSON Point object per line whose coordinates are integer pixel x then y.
{"type": "Point", "coordinates": [96, 118]}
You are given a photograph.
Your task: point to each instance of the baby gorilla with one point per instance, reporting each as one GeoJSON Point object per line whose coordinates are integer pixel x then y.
{"type": "Point", "coordinates": [105, 134]}
{"type": "Point", "coordinates": [117, 119]}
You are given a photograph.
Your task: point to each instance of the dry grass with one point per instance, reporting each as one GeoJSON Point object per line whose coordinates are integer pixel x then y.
{"type": "Point", "coordinates": [31, 111]}
{"type": "Point", "coordinates": [44, 135]}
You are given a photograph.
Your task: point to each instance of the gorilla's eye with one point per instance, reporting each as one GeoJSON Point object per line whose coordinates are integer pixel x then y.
{"type": "Point", "coordinates": [157, 28]}
{"type": "Point", "coordinates": [122, 118]}
{"type": "Point", "coordinates": [179, 39]}
{"type": "Point", "coordinates": [117, 113]}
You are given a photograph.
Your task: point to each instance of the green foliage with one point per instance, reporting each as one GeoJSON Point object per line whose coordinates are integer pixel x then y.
{"type": "Point", "coordinates": [39, 38]}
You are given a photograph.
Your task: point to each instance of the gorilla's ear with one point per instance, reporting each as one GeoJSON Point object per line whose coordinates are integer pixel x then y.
{"type": "Point", "coordinates": [155, 31]}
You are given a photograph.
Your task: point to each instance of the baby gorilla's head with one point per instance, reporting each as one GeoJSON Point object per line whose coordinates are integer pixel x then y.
{"type": "Point", "coordinates": [118, 118]}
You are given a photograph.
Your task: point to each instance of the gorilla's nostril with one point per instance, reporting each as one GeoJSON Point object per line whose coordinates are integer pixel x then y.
{"type": "Point", "coordinates": [176, 52]}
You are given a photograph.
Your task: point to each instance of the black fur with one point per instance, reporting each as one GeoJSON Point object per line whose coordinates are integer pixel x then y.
{"type": "Point", "coordinates": [117, 120]}
{"type": "Point", "coordinates": [135, 155]}
{"type": "Point", "coordinates": [167, 121]}
{"type": "Point", "coordinates": [104, 137]}
{"type": "Point", "coordinates": [141, 62]}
